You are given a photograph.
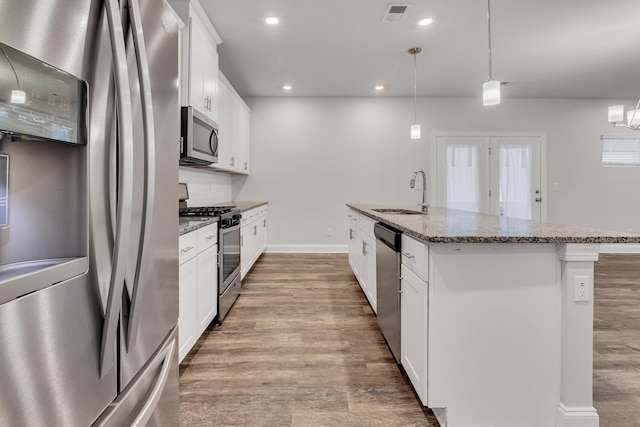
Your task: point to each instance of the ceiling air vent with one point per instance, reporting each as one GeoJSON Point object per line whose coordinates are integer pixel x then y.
{"type": "Point", "coordinates": [395, 13]}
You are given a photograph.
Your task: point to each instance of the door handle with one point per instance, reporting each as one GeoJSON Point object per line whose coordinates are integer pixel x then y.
{"type": "Point", "coordinates": [125, 188]}
{"type": "Point", "coordinates": [150, 173]}
{"type": "Point", "coordinates": [154, 397]}
{"type": "Point", "coordinates": [538, 199]}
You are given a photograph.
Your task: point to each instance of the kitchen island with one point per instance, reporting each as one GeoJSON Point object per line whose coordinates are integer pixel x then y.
{"type": "Point", "coordinates": [497, 316]}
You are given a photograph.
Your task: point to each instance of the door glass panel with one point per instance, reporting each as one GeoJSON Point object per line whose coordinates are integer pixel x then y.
{"type": "Point", "coordinates": [515, 181]}
{"type": "Point", "coordinates": [463, 183]}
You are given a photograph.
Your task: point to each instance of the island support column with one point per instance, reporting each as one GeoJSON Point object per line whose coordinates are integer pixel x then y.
{"type": "Point", "coordinates": [576, 388]}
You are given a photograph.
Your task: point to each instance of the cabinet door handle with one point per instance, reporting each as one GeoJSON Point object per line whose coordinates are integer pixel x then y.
{"type": "Point", "coordinates": [408, 255]}
{"type": "Point", "coordinates": [187, 249]}
{"type": "Point", "coordinates": [350, 234]}
{"type": "Point", "coordinates": [245, 166]}
{"type": "Point", "coordinates": [255, 229]}
{"type": "Point", "coordinates": [209, 237]}
{"type": "Point", "coordinates": [264, 222]}
{"type": "Point", "coordinates": [232, 161]}
{"type": "Point", "coordinates": [364, 248]}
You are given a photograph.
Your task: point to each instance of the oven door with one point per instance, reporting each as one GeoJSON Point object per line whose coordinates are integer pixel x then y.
{"type": "Point", "coordinates": [229, 255]}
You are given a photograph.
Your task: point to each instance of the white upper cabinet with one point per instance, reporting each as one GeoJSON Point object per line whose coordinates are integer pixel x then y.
{"type": "Point", "coordinates": [200, 87]}
{"type": "Point", "coordinates": [206, 89]}
{"type": "Point", "coordinates": [234, 136]}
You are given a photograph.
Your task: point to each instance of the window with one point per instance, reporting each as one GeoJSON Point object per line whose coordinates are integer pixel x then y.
{"type": "Point", "coordinates": [619, 152]}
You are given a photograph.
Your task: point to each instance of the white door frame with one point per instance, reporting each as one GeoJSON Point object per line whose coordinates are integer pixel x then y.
{"type": "Point", "coordinates": [543, 158]}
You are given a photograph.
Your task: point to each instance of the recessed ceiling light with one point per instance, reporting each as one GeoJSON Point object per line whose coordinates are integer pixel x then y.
{"type": "Point", "coordinates": [379, 87]}
{"type": "Point", "coordinates": [287, 87]}
{"type": "Point", "coordinates": [272, 20]}
{"type": "Point", "coordinates": [425, 21]}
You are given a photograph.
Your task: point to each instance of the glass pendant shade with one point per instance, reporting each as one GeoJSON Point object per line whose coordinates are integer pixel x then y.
{"type": "Point", "coordinates": [491, 93]}
{"type": "Point", "coordinates": [633, 118]}
{"type": "Point", "coordinates": [18, 96]}
{"type": "Point", "coordinates": [616, 113]}
{"type": "Point", "coordinates": [415, 131]}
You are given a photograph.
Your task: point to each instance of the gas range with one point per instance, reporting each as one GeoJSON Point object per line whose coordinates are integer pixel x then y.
{"type": "Point", "coordinates": [207, 210]}
{"type": "Point", "coordinates": [228, 216]}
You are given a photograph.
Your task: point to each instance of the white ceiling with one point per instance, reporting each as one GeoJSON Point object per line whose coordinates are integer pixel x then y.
{"type": "Point", "coordinates": [546, 48]}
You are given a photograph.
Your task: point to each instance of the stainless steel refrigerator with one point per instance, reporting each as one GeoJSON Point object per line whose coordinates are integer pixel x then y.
{"type": "Point", "coordinates": [89, 113]}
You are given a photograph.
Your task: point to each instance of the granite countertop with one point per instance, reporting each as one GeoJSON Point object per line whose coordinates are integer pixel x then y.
{"type": "Point", "coordinates": [442, 225]}
{"type": "Point", "coordinates": [187, 224]}
{"type": "Point", "coordinates": [245, 206]}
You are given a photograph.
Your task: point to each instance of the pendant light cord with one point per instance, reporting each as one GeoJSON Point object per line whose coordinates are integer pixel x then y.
{"type": "Point", "coordinates": [489, 35]}
{"type": "Point", "coordinates": [415, 89]}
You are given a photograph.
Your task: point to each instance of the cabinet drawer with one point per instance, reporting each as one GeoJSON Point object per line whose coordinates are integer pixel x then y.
{"type": "Point", "coordinates": [249, 216]}
{"type": "Point", "coordinates": [354, 218]}
{"type": "Point", "coordinates": [415, 256]}
{"type": "Point", "coordinates": [187, 246]}
{"type": "Point", "coordinates": [207, 236]}
{"type": "Point", "coordinates": [366, 225]}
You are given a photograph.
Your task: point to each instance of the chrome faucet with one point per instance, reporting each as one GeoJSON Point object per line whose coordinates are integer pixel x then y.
{"type": "Point", "coordinates": [412, 184]}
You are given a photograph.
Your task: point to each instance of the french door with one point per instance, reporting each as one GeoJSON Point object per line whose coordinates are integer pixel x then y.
{"type": "Point", "coordinates": [499, 175]}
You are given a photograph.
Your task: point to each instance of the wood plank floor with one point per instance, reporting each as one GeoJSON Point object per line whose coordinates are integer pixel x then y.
{"type": "Point", "coordinates": [301, 347]}
{"type": "Point", "coordinates": [616, 346]}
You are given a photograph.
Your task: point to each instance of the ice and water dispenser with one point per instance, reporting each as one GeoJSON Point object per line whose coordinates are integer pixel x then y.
{"type": "Point", "coordinates": [43, 175]}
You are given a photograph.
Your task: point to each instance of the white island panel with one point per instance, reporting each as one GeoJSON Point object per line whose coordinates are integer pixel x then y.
{"type": "Point", "coordinates": [494, 334]}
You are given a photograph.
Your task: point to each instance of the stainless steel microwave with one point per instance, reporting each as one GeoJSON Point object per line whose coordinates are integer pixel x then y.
{"type": "Point", "coordinates": [198, 139]}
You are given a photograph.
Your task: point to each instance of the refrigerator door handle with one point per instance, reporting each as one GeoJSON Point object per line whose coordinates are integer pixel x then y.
{"type": "Point", "coordinates": [154, 397]}
{"type": "Point", "coordinates": [125, 188]}
{"type": "Point", "coordinates": [150, 173]}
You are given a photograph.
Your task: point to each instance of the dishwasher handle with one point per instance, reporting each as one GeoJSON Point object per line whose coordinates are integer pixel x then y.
{"type": "Point", "coordinates": [389, 236]}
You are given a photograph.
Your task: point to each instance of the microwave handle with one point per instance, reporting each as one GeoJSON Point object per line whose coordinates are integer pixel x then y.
{"type": "Point", "coordinates": [213, 142]}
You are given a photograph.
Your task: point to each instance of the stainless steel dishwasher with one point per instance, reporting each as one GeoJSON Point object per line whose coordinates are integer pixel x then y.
{"type": "Point", "coordinates": [388, 283]}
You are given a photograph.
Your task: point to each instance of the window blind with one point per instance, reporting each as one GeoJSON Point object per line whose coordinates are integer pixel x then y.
{"type": "Point", "coordinates": [620, 151]}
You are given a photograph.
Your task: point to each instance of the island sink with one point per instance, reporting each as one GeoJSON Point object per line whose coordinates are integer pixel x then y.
{"type": "Point", "coordinates": [396, 211]}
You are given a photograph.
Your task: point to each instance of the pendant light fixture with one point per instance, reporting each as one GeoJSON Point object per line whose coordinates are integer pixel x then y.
{"type": "Point", "coordinates": [18, 96]}
{"type": "Point", "coordinates": [490, 88]}
{"type": "Point", "coordinates": [616, 117]}
{"type": "Point", "coordinates": [415, 127]}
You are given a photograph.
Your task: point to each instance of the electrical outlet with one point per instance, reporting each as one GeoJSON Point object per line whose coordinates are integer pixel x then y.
{"type": "Point", "coordinates": [329, 232]}
{"type": "Point", "coordinates": [581, 289]}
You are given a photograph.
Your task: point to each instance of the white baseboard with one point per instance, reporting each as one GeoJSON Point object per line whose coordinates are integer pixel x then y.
{"type": "Point", "coordinates": [620, 248]}
{"type": "Point", "coordinates": [308, 249]}
{"type": "Point", "coordinates": [577, 417]}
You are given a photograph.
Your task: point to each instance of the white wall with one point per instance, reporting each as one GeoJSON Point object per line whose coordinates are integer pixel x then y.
{"type": "Point", "coordinates": [310, 156]}
{"type": "Point", "coordinates": [206, 187]}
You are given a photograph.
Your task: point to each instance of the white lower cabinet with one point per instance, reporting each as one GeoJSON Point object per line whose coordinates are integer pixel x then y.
{"type": "Point", "coordinates": [362, 254]}
{"type": "Point", "coordinates": [207, 305]}
{"type": "Point", "coordinates": [368, 270]}
{"type": "Point", "coordinates": [253, 237]}
{"type": "Point", "coordinates": [413, 330]}
{"type": "Point", "coordinates": [198, 286]}
{"type": "Point", "coordinates": [187, 301]}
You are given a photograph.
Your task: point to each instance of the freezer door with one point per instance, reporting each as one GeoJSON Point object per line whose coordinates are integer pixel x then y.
{"type": "Point", "coordinates": [151, 399]}
{"type": "Point", "coordinates": [50, 353]}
